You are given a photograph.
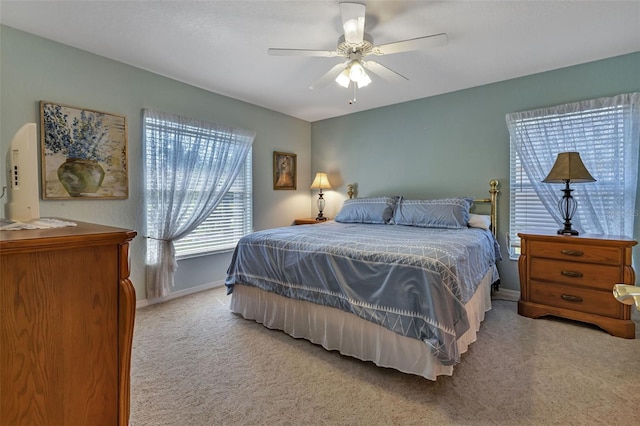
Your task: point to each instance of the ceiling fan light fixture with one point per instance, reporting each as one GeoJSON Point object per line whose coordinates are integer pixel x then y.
{"type": "Point", "coordinates": [343, 78]}
{"type": "Point", "coordinates": [356, 71]}
{"type": "Point", "coordinates": [353, 72]}
{"type": "Point", "coordinates": [364, 80]}
{"type": "Point", "coordinates": [358, 75]}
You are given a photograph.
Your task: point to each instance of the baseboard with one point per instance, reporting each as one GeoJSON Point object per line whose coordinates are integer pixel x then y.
{"type": "Point", "coordinates": [180, 293]}
{"type": "Point", "coordinates": [506, 294]}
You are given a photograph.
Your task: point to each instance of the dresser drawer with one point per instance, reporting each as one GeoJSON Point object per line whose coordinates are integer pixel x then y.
{"type": "Point", "coordinates": [575, 273]}
{"type": "Point", "coordinates": [577, 252]}
{"type": "Point", "coordinates": [576, 299]}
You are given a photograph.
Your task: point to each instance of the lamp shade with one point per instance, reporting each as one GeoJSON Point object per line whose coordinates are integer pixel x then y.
{"type": "Point", "coordinates": [321, 182]}
{"type": "Point", "coordinates": [568, 167]}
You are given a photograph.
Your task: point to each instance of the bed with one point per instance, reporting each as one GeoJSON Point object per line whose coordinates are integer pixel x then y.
{"type": "Point", "coordinates": [402, 283]}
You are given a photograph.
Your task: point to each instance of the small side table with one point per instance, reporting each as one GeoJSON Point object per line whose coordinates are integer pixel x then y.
{"type": "Point", "coordinates": [573, 277]}
{"type": "Point", "coordinates": [307, 221]}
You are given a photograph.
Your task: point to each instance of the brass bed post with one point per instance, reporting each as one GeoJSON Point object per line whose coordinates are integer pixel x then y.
{"type": "Point", "coordinates": [494, 191]}
{"type": "Point", "coordinates": [493, 200]}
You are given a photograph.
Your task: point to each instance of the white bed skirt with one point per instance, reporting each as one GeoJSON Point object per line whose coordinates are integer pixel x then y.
{"type": "Point", "coordinates": [350, 335]}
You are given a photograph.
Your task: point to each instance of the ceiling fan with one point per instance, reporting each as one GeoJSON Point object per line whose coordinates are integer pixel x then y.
{"type": "Point", "coordinates": [355, 45]}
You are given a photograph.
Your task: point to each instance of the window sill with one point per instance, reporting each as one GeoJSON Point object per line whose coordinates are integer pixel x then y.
{"type": "Point", "coordinates": [208, 253]}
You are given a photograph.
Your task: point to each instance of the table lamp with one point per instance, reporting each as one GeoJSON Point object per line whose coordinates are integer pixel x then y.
{"type": "Point", "coordinates": [568, 168]}
{"type": "Point", "coordinates": [321, 182]}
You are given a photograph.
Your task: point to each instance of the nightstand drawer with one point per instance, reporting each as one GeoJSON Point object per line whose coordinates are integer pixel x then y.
{"type": "Point", "coordinates": [575, 273]}
{"type": "Point", "coordinates": [577, 299]}
{"type": "Point", "coordinates": [576, 252]}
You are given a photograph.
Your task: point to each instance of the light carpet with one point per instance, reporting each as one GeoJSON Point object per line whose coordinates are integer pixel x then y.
{"type": "Point", "coordinates": [196, 363]}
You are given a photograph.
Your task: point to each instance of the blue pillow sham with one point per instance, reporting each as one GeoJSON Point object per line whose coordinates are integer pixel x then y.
{"type": "Point", "coordinates": [450, 213]}
{"type": "Point", "coordinates": [367, 210]}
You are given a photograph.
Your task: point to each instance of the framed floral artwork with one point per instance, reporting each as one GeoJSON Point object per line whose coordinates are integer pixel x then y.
{"type": "Point", "coordinates": [83, 152]}
{"type": "Point", "coordinates": [284, 170]}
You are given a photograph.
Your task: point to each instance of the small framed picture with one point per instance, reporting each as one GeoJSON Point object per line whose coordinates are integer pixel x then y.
{"type": "Point", "coordinates": [284, 170]}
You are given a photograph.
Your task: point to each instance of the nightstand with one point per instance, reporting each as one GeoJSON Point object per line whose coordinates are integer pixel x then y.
{"type": "Point", "coordinates": [307, 221]}
{"type": "Point", "coordinates": [573, 277]}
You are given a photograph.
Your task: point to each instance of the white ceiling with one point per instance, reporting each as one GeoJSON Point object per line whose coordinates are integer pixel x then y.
{"type": "Point", "coordinates": [221, 46]}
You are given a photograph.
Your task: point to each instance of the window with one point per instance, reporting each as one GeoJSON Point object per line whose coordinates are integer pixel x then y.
{"type": "Point", "coordinates": [605, 133]}
{"type": "Point", "coordinates": [231, 220]}
{"type": "Point", "coordinates": [526, 209]}
{"type": "Point", "coordinates": [186, 162]}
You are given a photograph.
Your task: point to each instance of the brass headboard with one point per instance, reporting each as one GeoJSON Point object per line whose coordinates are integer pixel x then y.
{"type": "Point", "coordinates": [493, 199]}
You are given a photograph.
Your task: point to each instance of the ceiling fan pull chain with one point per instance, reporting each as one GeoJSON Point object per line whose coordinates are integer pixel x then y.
{"type": "Point", "coordinates": [355, 89]}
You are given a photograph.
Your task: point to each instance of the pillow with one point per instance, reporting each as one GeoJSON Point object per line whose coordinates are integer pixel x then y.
{"type": "Point", "coordinates": [367, 210]}
{"type": "Point", "coordinates": [452, 213]}
{"type": "Point", "coordinates": [479, 221]}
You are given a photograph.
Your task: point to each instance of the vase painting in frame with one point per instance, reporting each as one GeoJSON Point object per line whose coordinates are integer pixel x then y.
{"type": "Point", "coordinates": [83, 152]}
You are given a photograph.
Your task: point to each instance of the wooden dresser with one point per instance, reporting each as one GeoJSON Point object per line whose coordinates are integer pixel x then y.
{"type": "Point", "coordinates": [67, 311]}
{"type": "Point", "coordinates": [573, 277]}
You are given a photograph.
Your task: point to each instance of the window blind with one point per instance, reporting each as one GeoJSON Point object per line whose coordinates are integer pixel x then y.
{"type": "Point", "coordinates": [230, 221]}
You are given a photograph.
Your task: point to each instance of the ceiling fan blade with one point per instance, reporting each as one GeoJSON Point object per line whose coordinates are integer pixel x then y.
{"type": "Point", "coordinates": [329, 76]}
{"type": "Point", "coordinates": [384, 72]}
{"type": "Point", "coordinates": [301, 52]}
{"type": "Point", "coordinates": [412, 44]}
{"type": "Point", "coordinates": [353, 22]}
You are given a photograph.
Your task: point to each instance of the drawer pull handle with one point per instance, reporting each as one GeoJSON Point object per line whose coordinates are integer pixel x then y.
{"type": "Point", "coordinates": [572, 252]}
{"type": "Point", "coordinates": [570, 298]}
{"type": "Point", "coordinates": [572, 274]}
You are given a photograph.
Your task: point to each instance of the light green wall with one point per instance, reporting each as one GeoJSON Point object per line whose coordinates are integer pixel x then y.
{"type": "Point", "coordinates": [451, 144]}
{"type": "Point", "coordinates": [34, 69]}
{"type": "Point", "coordinates": [455, 143]}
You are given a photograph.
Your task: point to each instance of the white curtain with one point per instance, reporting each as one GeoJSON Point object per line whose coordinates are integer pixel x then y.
{"type": "Point", "coordinates": [190, 166]}
{"type": "Point", "coordinates": [606, 133]}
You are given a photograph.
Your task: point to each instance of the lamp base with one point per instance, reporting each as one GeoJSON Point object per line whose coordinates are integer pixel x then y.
{"type": "Point", "coordinates": [567, 206]}
{"type": "Point", "coordinates": [320, 216]}
{"type": "Point", "coordinates": [567, 232]}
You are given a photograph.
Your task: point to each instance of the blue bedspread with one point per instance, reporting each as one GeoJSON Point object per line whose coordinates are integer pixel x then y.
{"type": "Point", "coordinates": [413, 281]}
